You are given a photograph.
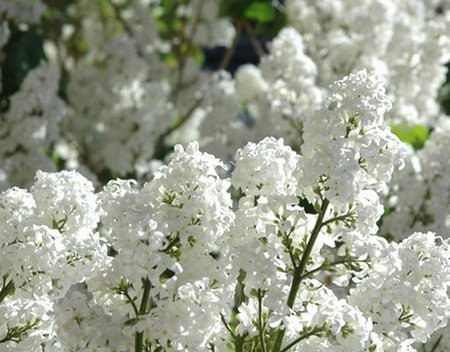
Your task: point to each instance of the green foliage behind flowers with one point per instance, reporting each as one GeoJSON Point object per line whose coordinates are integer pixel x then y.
{"type": "Point", "coordinates": [414, 135]}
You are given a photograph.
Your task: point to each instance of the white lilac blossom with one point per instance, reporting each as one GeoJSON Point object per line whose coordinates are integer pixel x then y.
{"type": "Point", "coordinates": [249, 82]}
{"type": "Point", "coordinates": [48, 243]}
{"type": "Point", "coordinates": [219, 134]}
{"type": "Point", "coordinates": [29, 130]}
{"type": "Point", "coordinates": [31, 311]}
{"type": "Point", "coordinates": [295, 265]}
{"type": "Point", "coordinates": [134, 101]}
{"type": "Point", "coordinates": [345, 148]}
{"type": "Point", "coordinates": [126, 98]}
{"type": "Point", "coordinates": [53, 244]}
{"type": "Point", "coordinates": [266, 168]}
{"type": "Point", "coordinates": [405, 292]}
{"type": "Point", "coordinates": [120, 117]}
{"type": "Point", "coordinates": [191, 198]}
{"type": "Point", "coordinates": [166, 235]}
{"type": "Point", "coordinates": [419, 197]}
{"type": "Point", "coordinates": [190, 321]}
{"type": "Point", "coordinates": [206, 27]}
{"type": "Point", "coordinates": [393, 38]}
{"type": "Point", "coordinates": [82, 324]}
{"type": "Point", "coordinates": [283, 87]}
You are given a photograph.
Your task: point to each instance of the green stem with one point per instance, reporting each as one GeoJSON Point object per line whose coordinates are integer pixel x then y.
{"type": "Point", "coordinates": [330, 265]}
{"type": "Point", "coordinates": [229, 53]}
{"type": "Point", "coordinates": [298, 272]}
{"type": "Point", "coordinates": [315, 331]}
{"type": "Point", "coordinates": [337, 218]}
{"type": "Point", "coordinates": [260, 323]}
{"type": "Point", "coordinates": [7, 289]}
{"type": "Point", "coordinates": [130, 299]}
{"type": "Point", "coordinates": [139, 338]}
{"type": "Point", "coordinates": [306, 254]}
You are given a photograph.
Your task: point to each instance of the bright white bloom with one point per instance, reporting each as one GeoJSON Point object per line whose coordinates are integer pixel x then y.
{"type": "Point", "coordinates": [249, 82]}
{"type": "Point", "coordinates": [84, 325]}
{"type": "Point", "coordinates": [266, 168]}
{"type": "Point", "coordinates": [345, 150]}
{"type": "Point", "coordinates": [419, 195]}
{"type": "Point", "coordinates": [393, 38]}
{"type": "Point", "coordinates": [283, 90]}
{"type": "Point", "coordinates": [405, 292]}
{"type": "Point", "coordinates": [206, 28]}
{"type": "Point", "coordinates": [31, 128]}
{"type": "Point", "coordinates": [219, 133]}
{"type": "Point", "coordinates": [26, 309]}
{"type": "Point", "coordinates": [189, 321]}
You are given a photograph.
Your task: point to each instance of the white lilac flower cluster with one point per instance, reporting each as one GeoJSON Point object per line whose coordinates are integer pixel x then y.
{"type": "Point", "coordinates": [393, 38]}
{"type": "Point", "coordinates": [38, 120]}
{"type": "Point", "coordinates": [48, 242]}
{"type": "Point", "coordinates": [294, 264]}
{"type": "Point", "coordinates": [122, 98]}
{"type": "Point", "coordinates": [282, 88]}
{"type": "Point", "coordinates": [426, 207]}
{"type": "Point", "coordinates": [128, 98]}
{"type": "Point", "coordinates": [405, 42]}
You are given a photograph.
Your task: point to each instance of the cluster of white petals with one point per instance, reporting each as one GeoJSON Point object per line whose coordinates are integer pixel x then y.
{"type": "Point", "coordinates": [420, 196]}
{"type": "Point", "coordinates": [294, 245]}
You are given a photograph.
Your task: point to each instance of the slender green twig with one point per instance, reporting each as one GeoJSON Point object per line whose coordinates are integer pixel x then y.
{"type": "Point", "coordinates": [289, 249]}
{"type": "Point", "coordinates": [18, 333]}
{"type": "Point", "coordinates": [260, 322]}
{"type": "Point", "coordinates": [143, 309]}
{"type": "Point", "coordinates": [338, 218]}
{"type": "Point", "coordinates": [124, 291]}
{"type": "Point", "coordinates": [345, 260]}
{"type": "Point", "coordinates": [7, 289]}
{"type": "Point", "coordinates": [253, 40]}
{"type": "Point", "coordinates": [229, 53]}
{"type": "Point", "coordinates": [315, 331]}
{"type": "Point", "coordinates": [298, 272]}
{"type": "Point", "coordinates": [306, 254]}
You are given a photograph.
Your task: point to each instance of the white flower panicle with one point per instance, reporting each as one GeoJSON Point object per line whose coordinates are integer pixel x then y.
{"type": "Point", "coordinates": [53, 242]}
{"type": "Point", "coordinates": [293, 263]}
{"type": "Point", "coordinates": [266, 168]}
{"type": "Point", "coordinates": [419, 196]}
{"type": "Point", "coordinates": [30, 128]}
{"type": "Point", "coordinates": [405, 293]}
{"type": "Point", "coordinates": [282, 88]}
{"type": "Point", "coordinates": [393, 38]}
{"type": "Point", "coordinates": [49, 242]}
{"type": "Point", "coordinates": [345, 148]}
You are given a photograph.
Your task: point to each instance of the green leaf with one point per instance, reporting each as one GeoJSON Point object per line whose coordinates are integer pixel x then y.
{"type": "Point", "coordinates": [416, 135]}
{"type": "Point", "coordinates": [260, 11]}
